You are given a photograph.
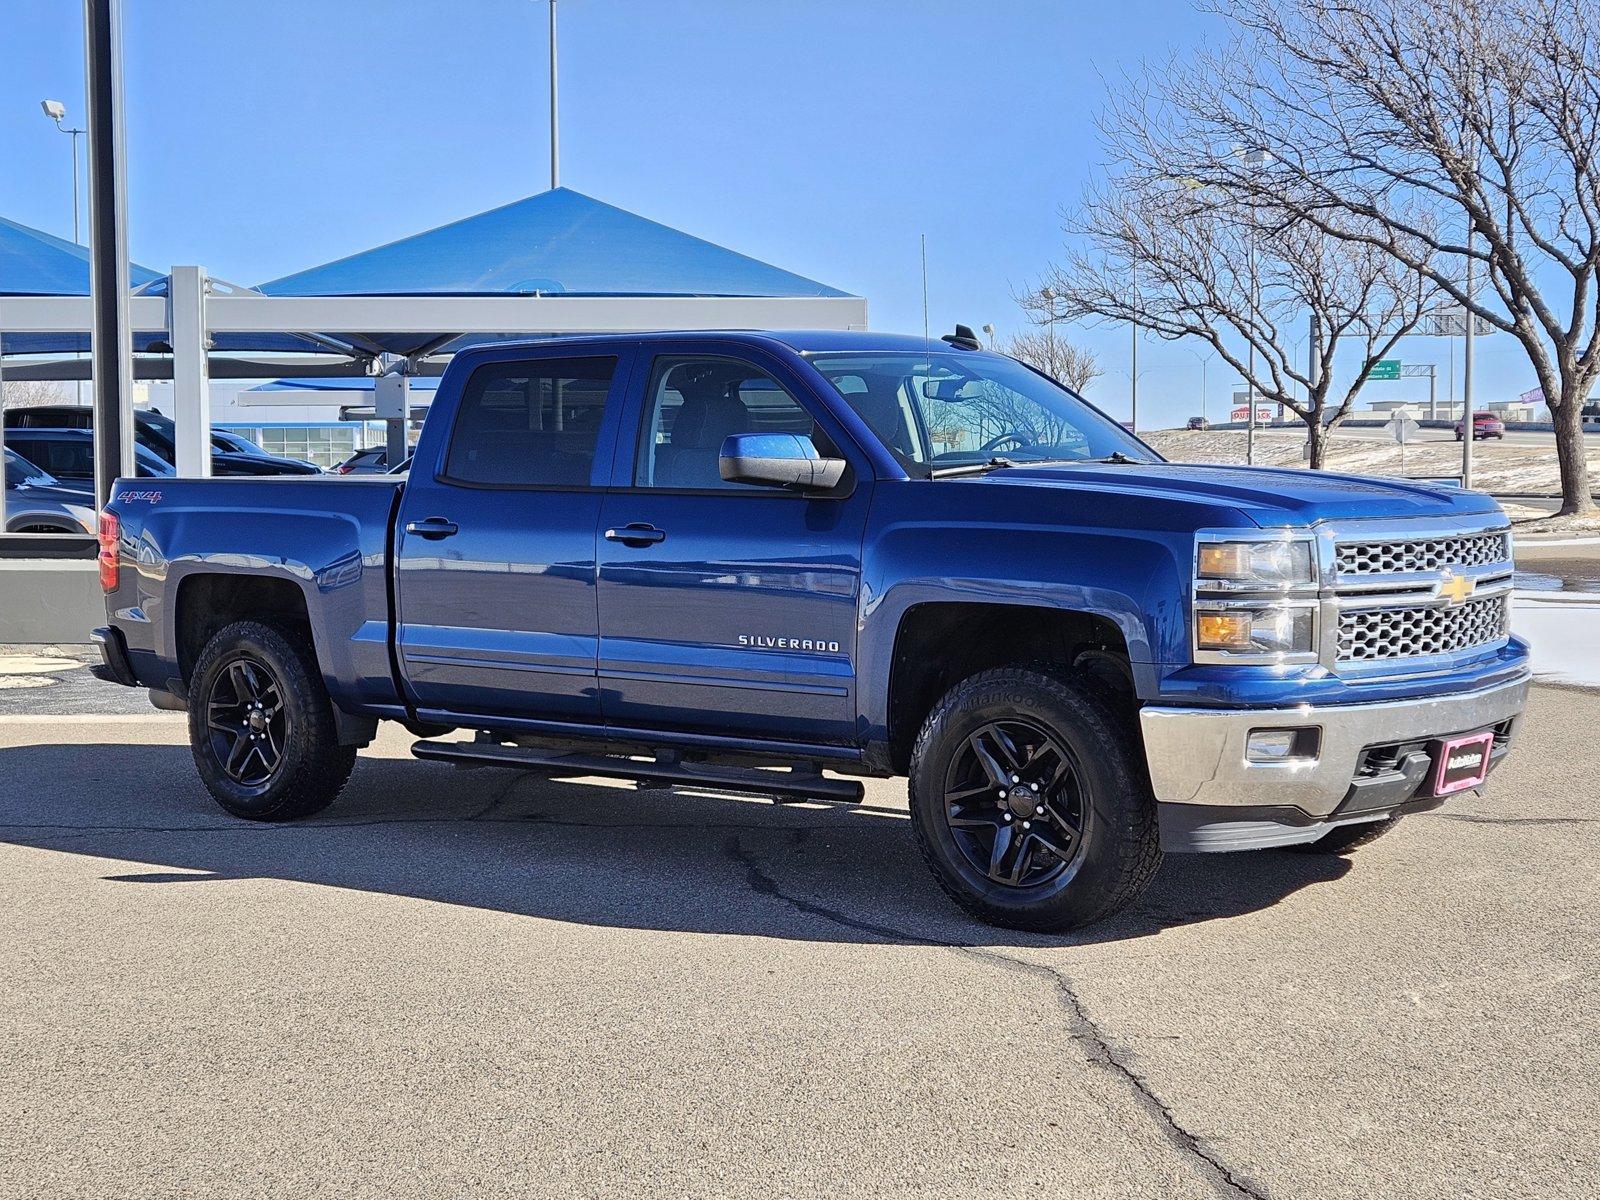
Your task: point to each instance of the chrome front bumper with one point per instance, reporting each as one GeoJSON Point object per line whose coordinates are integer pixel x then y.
{"type": "Point", "coordinates": [1196, 756]}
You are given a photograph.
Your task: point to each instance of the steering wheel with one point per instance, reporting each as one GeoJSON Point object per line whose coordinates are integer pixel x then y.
{"type": "Point", "coordinates": [1022, 440]}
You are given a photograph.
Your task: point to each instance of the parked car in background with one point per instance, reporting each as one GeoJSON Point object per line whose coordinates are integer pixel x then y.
{"type": "Point", "coordinates": [235, 454]}
{"type": "Point", "coordinates": [68, 454]}
{"type": "Point", "coordinates": [38, 502]}
{"type": "Point", "coordinates": [156, 432]}
{"type": "Point", "coordinates": [372, 460]}
{"type": "Point", "coordinates": [1199, 423]}
{"type": "Point", "coordinates": [1484, 425]}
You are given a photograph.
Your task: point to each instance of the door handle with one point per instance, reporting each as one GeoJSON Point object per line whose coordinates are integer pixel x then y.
{"type": "Point", "coordinates": [433, 528]}
{"type": "Point", "coordinates": [637, 534]}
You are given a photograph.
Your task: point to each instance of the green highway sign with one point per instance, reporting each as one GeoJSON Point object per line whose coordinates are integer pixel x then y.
{"type": "Point", "coordinates": [1385, 368]}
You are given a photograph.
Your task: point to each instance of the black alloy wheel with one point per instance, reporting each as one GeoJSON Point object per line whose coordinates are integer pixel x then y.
{"type": "Point", "coordinates": [1029, 799]}
{"type": "Point", "coordinates": [247, 721]}
{"type": "Point", "coordinates": [1014, 801]}
{"type": "Point", "coordinates": [262, 726]}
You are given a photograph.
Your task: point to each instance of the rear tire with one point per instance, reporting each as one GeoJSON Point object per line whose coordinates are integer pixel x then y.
{"type": "Point", "coordinates": [1346, 838]}
{"type": "Point", "coordinates": [1094, 848]}
{"type": "Point", "coordinates": [261, 725]}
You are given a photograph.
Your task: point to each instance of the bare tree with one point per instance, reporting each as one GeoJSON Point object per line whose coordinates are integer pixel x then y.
{"type": "Point", "coordinates": [1272, 294]}
{"type": "Point", "coordinates": [1457, 136]}
{"type": "Point", "coordinates": [1058, 358]}
{"type": "Point", "coordinates": [34, 393]}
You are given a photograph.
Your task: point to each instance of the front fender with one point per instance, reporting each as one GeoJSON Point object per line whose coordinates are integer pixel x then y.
{"type": "Point", "coordinates": [1136, 580]}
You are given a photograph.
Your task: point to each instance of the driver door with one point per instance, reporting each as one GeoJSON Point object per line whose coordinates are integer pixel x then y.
{"type": "Point", "coordinates": [726, 608]}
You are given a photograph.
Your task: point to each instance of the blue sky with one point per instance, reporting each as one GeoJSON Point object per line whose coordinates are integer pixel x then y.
{"type": "Point", "coordinates": [822, 135]}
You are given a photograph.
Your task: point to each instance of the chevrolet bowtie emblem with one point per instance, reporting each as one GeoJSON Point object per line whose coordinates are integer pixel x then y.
{"type": "Point", "coordinates": [1456, 588]}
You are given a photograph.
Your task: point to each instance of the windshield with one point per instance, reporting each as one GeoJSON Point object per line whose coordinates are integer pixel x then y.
{"type": "Point", "coordinates": [234, 443]}
{"type": "Point", "coordinates": [944, 409]}
{"type": "Point", "coordinates": [22, 473]}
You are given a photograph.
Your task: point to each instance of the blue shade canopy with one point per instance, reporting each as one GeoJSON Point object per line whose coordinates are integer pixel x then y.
{"type": "Point", "coordinates": [557, 242]}
{"type": "Point", "coordinates": [35, 263]}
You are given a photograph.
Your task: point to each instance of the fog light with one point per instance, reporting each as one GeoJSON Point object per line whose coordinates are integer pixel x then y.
{"type": "Point", "coordinates": [1282, 745]}
{"type": "Point", "coordinates": [1224, 630]}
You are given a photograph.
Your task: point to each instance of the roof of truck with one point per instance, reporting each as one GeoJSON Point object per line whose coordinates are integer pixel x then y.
{"type": "Point", "coordinates": [805, 341]}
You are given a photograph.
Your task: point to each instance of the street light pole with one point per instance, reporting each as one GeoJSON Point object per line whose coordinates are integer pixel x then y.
{"type": "Point", "coordinates": [1250, 381]}
{"type": "Point", "coordinates": [1256, 158]}
{"type": "Point", "coordinates": [1048, 295]}
{"type": "Point", "coordinates": [57, 112]}
{"type": "Point", "coordinates": [555, 122]}
{"type": "Point", "coordinates": [1468, 425]}
{"type": "Point", "coordinates": [1133, 373]}
{"type": "Point", "coordinates": [1204, 361]}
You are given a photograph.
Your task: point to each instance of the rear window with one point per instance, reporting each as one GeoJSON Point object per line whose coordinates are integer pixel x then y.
{"type": "Point", "coordinates": [530, 424]}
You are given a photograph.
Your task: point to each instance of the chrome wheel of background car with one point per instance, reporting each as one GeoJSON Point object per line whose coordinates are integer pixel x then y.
{"type": "Point", "coordinates": [246, 721]}
{"type": "Point", "coordinates": [1014, 801]}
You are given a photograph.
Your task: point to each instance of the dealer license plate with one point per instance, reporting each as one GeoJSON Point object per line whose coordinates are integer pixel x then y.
{"type": "Point", "coordinates": [1460, 764]}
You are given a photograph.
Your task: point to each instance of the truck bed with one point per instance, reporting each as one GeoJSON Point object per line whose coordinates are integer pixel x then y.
{"type": "Point", "coordinates": [329, 538]}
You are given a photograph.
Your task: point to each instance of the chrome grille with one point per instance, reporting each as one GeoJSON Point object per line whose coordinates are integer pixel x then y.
{"type": "Point", "coordinates": [1426, 554]}
{"type": "Point", "coordinates": [1411, 630]}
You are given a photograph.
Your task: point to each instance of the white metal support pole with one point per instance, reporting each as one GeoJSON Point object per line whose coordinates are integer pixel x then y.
{"type": "Point", "coordinates": [191, 381]}
{"type": "Point", "coordinates": [391, 396]}
{"type": "Point", "coordinates": [2, 429]}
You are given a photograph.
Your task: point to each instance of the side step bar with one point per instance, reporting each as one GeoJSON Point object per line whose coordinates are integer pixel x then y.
{"type": "Point", "coordinates": [790, 784]}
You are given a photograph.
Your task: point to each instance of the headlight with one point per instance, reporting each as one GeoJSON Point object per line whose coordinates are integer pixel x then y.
{"type": "Point", "coordinates": [1255, 599]}
{"type": "Point", "coordinates": [1253, 566]}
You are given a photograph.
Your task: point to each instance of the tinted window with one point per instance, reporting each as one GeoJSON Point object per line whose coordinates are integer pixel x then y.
{"type": "Point", "coordinates": [526, 424]}
{"type": "Point", "coordinates": [65, 459]}
{"type": "Point", "coordinates": [695, 403]}
{"type": "Point", "coordinates": [50, 417]}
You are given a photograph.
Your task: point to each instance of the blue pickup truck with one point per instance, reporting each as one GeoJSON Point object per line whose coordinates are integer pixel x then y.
{"type": "Point", "coordinates": [767, 562]}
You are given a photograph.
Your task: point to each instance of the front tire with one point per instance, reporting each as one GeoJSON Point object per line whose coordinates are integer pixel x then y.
{"type": "Point", "coordinates": [1029, 801]}
{"type": "Point", "coordinates": [261, 725]}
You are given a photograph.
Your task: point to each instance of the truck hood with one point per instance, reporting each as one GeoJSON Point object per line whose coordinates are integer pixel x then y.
{"type": "Point", "coordinates": [39, 493]}
{"type": "Point", "coordinates": [1272, 497]}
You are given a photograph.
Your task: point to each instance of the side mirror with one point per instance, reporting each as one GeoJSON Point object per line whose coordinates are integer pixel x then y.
{"type": "Point", "coordinates": [778, 459]}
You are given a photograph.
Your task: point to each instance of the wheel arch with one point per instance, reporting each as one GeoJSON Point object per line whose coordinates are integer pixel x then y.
{"type": "Point", "coordinates": [938, 643]}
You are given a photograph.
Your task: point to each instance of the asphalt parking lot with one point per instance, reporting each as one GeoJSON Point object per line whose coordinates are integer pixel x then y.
{"type": "Point", "coordinates": [479, 983]}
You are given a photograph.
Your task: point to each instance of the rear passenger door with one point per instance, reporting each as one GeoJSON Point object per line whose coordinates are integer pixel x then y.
{"type": "Point", "coordinates": [725, 608]}
{"type": "Point", "coordinates": [495, 555]}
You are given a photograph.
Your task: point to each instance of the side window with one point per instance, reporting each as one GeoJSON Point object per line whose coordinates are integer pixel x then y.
{"type": "Point", "coordinates": [693, 405]}
{"type": "Point", "coordinates": [530, 424]}
{"type": "Point", "coordinates": [63, 459]}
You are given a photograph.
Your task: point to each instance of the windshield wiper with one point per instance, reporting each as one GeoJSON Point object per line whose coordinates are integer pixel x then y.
{"type": "Point", "coordinates": [977, 468]}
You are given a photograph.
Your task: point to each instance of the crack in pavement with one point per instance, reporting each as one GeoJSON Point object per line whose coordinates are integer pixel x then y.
{"type": "Point", "coordinates": [1098, 1047]}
